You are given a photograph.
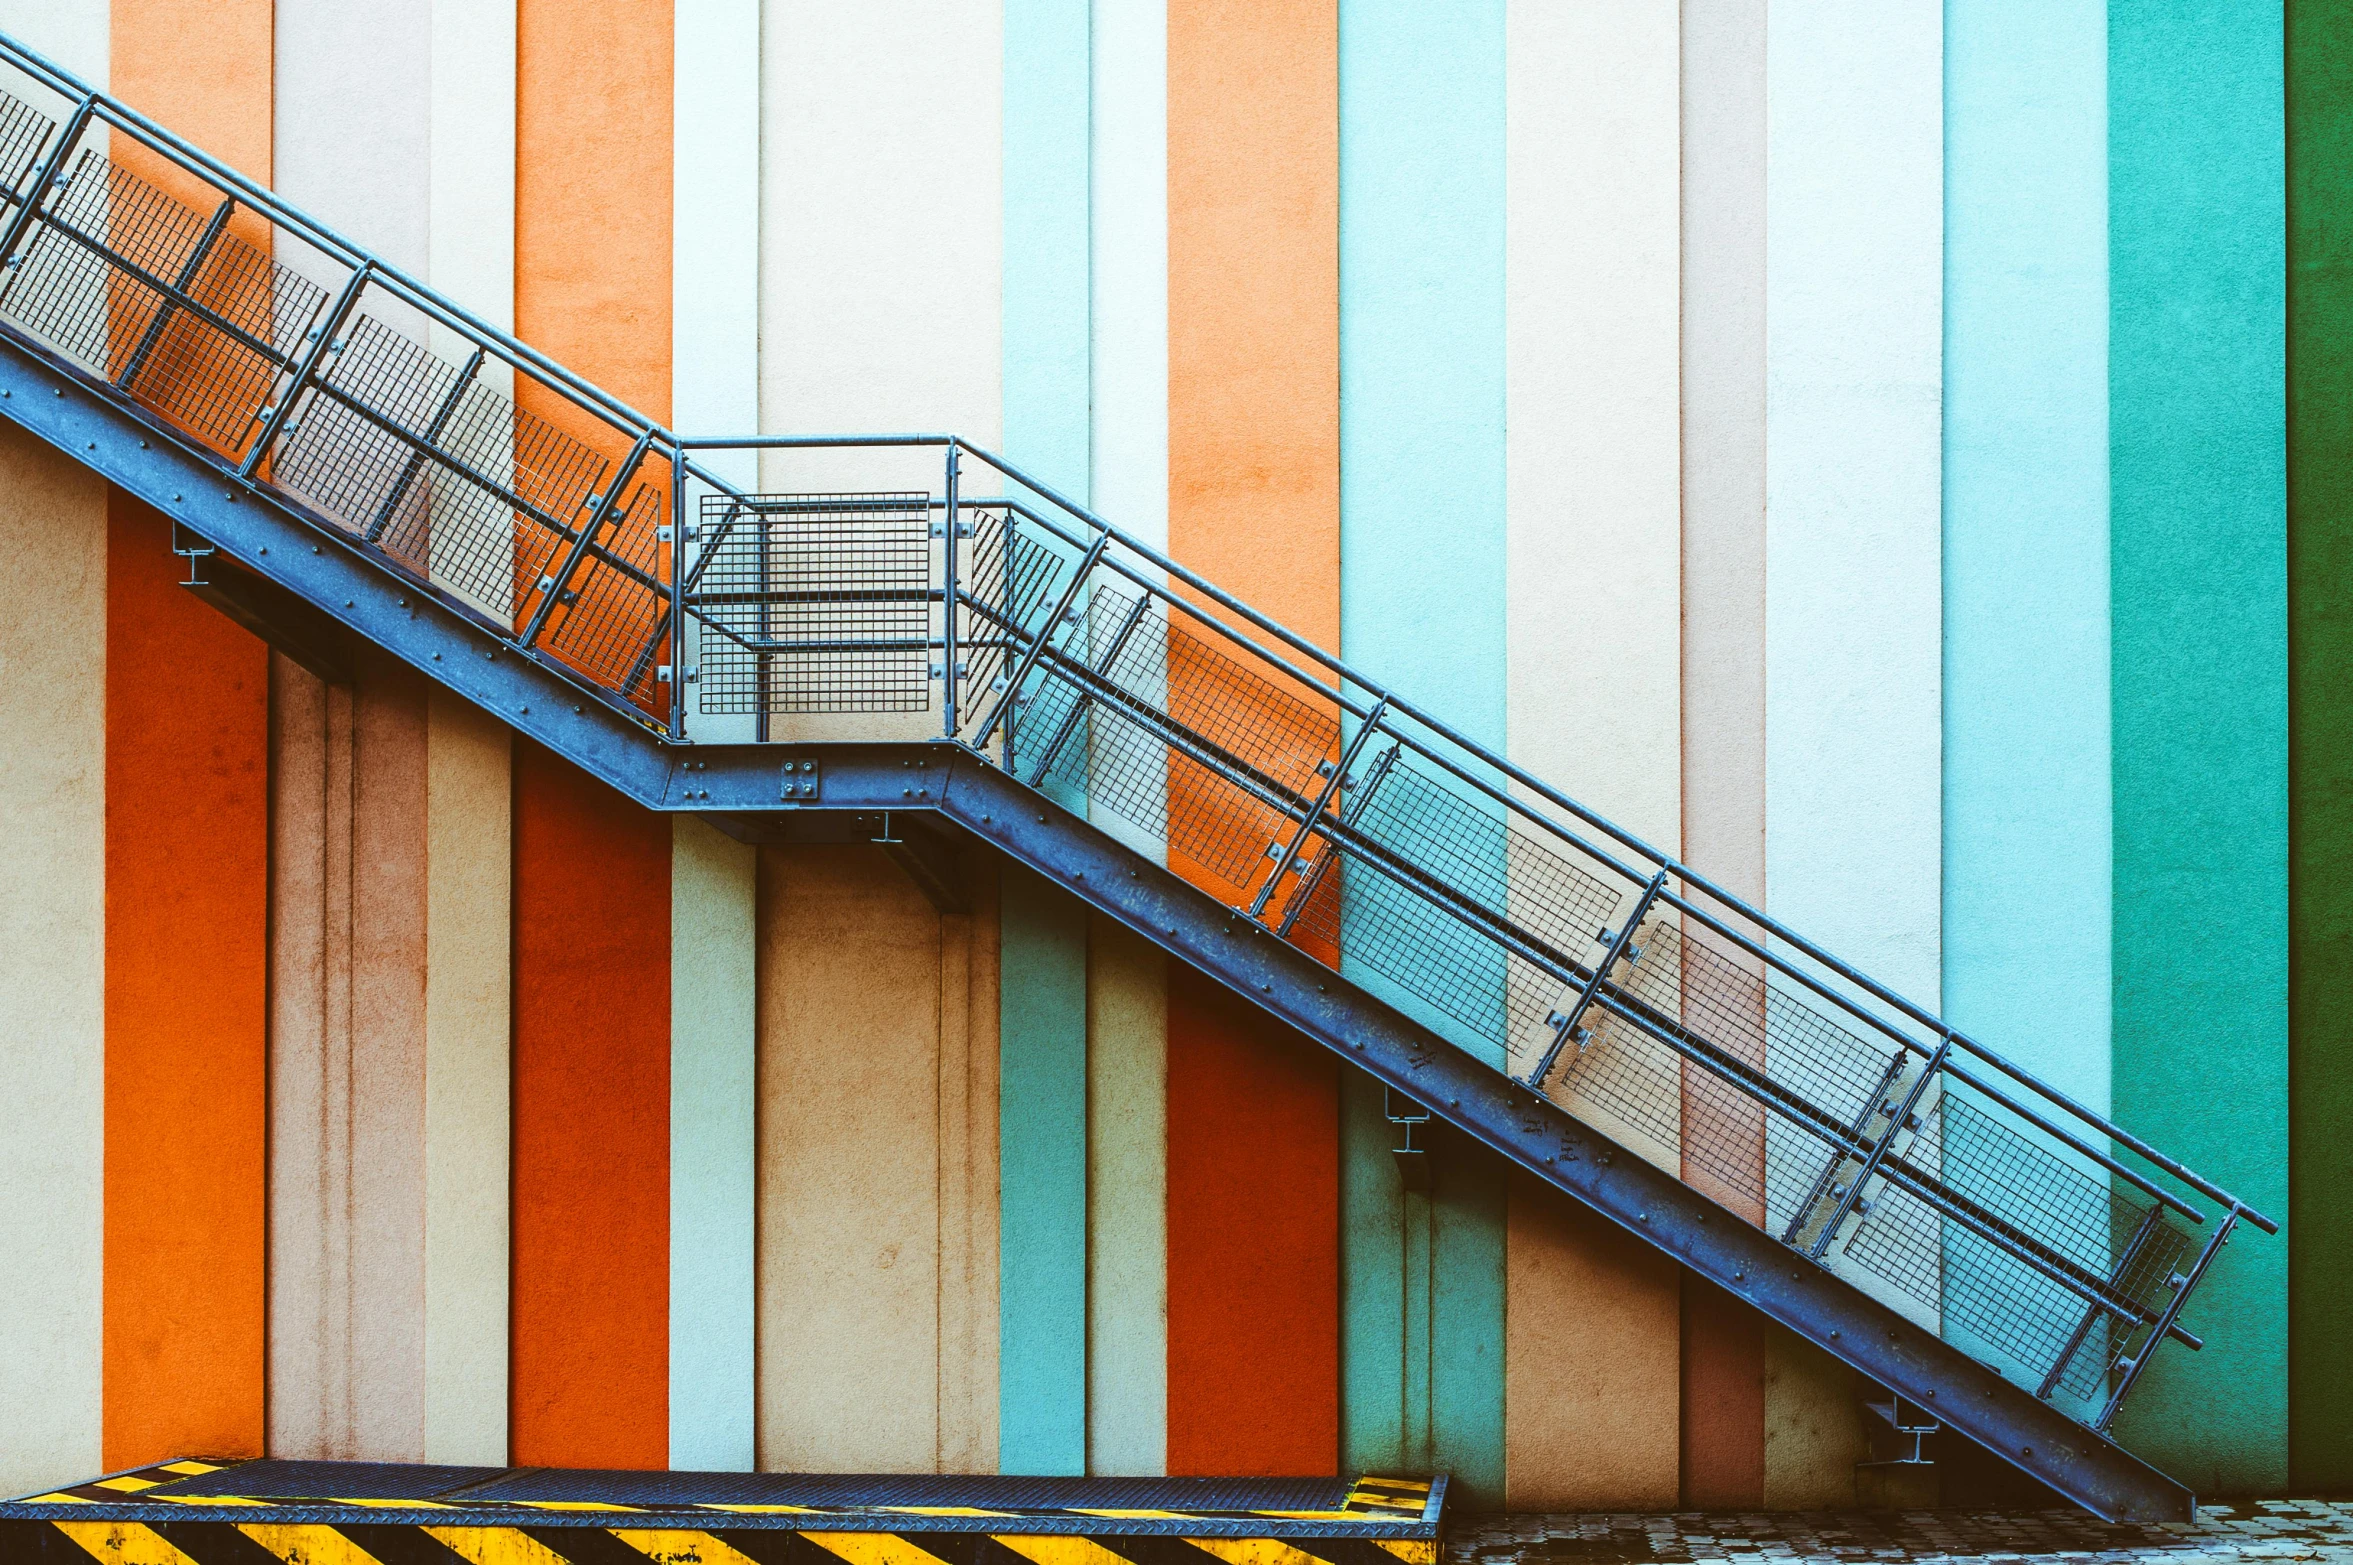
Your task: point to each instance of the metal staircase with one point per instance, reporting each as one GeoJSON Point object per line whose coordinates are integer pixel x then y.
{"type": "Point", "coordinates": [908, 626]}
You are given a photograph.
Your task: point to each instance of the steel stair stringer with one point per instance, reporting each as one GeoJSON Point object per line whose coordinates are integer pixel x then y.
{"type": "Point", "coordinates": [744, 788]}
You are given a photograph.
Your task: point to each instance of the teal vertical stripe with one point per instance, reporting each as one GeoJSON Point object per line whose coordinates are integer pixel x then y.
{"type": "Point", "coordinates": [1042, 1151]}
{"type": "Point", "coordinates": [2199, 581]}
{"type": "Point", "coordinates": [1421, 565]}
{"type": "Point", "coordinates": [1042, 1345]}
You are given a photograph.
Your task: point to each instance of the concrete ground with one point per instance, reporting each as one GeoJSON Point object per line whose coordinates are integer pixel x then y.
{"type": "Point", "coordinates": [2256, 1530]}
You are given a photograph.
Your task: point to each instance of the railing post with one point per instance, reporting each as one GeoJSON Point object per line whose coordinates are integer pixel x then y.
{"type": "Point", "coordinates": [1350, 813]}
{"type": "Point", "coordinates": [1850, 1146]}
{"type": "Point", "coordinates": [551, 587]}
{"type": "Point", "coordinates": [2164, 1326]}
{"type": "Point", "coordinates": [1100, 668]}
{"type": "Point", "coordinates": [679, 534]}
{"type": "Point", "coordinates": [1881, 1147]}
{"type": "Point", "coordinates": [163, 312]}
{"type": "Point", "coordinates": [1565, 1027]}
{"type": "Point", "coordinates": [2092, 1312]}
{"type": "Point", "coordinates": [30, 207]}
{"type": "Point", "coordinates": [948, 598]}
{"type": "Point", "coordinates": [1323, 799]}
{"type": "Point", "coordinates": [416, 462]}
{"type": "Point", "coordinates": [274, 419]}
{"type": "Point", "coordinates": [1037, 648]}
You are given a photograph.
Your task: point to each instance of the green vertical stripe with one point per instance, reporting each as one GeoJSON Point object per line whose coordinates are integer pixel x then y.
{"type": "Point", "coordinates": [2198, 575]}
{"type": "Point", "coordinates": [2320, 743]}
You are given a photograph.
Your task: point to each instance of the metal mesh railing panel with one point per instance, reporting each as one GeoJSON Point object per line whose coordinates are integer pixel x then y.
{"type": "Point", "coordinates": [1170, 697]}
{"type": "Point", "coordinates": [1007, 576]}
{"type": "Point", "coordinates": [1425, 852]}
{"type": "Point", "coordinates": [441, 471]}
{"type": "Point", "coordinates": [166, 302]}
{"type": "Point", "coordinates": [24, 136]}
{"type": "Point", "coordinates": [825, 601]}
{"type": "Point", "coordinates": [615, 620]}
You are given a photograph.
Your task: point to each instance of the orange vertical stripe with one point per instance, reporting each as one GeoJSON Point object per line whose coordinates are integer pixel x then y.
{"type": "Point", "coordinates": [187, 863]}
{"type": "Point", "coordinates": [591, 1365]}
{"type": "Point", "coordinates": [1253, 1239]}
{"type": "Point", "coordinates": [592, 871]}
{"type": "Point", "coordinates": [1254, 504]}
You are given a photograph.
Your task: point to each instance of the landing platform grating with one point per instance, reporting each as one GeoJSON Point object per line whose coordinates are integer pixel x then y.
{"type": "Point", "coordinates": [221, 1512]}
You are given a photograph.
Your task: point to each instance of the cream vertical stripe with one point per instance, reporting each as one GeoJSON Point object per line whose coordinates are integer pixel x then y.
{"type": "Point", "coordinates": [1127, 1202]}
{"type": "Point", "coordinates": [1593, 601]}
{"type": "Point", "coordinates": [471, 257]}
{"type": "Point", "coordinates": [348, 958]}
{"type": "Point", "coordinates": [52, 951]}
{"type": "Point", "coordinates": [52, 903]}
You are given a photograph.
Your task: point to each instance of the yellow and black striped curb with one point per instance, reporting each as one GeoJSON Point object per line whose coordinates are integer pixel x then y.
{"type": "Point", "coordinates": [401, 1543]}
{"type": "Point", "coordinates": [145, 1516]}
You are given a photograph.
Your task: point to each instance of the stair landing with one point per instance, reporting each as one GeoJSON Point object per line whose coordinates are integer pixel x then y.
{"type": "Point", "coordinates": [198, 1511]}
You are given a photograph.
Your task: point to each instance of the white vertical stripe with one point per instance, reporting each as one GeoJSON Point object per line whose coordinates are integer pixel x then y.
{"type": "Point", "coordinates": [713, 1153]}
{"type": "Point", "coordinates": [1854, 280]}
{"type": "Point", "coordinates": [52, 902]}
{"type": "Point", "coordinates": [471, 239]}
{"type": "Point", "coordinates": [715, 259]}
{"type": "Point", "coordinates": [1130, 202]}
{"type": "Point", "coordinates": [715, 388]}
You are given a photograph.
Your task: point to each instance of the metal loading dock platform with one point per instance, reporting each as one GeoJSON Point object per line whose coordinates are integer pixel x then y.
{"type": "Point", "coordinates": [269, 1512]}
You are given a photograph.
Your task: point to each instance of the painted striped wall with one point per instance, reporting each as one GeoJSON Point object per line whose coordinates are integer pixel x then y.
{"type": "Point", "coordinates": [1849, 440]}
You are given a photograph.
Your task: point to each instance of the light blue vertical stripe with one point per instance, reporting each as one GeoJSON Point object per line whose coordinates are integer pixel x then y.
{"type": "Point", "coordinates": [1421, 563]}
{"type": "Point", "coordinates": [2025, 577]}
{"type": "Point", "coordinates": [713, 1153]}
{"type": "Point", "coordinates": [1042, 1346]}
{"type": "Point", "coordinates": [2026, 793]}
{"type": "Point", "coordinates": [715, 384]}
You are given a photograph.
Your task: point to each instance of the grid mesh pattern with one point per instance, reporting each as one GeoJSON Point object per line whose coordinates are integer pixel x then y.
{"type": "Point", "coordinates": [1442, 843]}
{"type": "Point", "coordinates": [163, 300]}
{"type": "Point", "coordinates": [614, 620]}
{"type": "Point", "coordinates": [824, 601]}
{"type": "Point", "coordinates": [441, 471]}
{"type": "Point", "coordinates": [24, 133]}
{"type": "Point", "coordinates": [1217, 831]}
{"type": "Point", "coordinates": [2076, 1219]}
{"type": "Point", "coordinates": [1005, 579]}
